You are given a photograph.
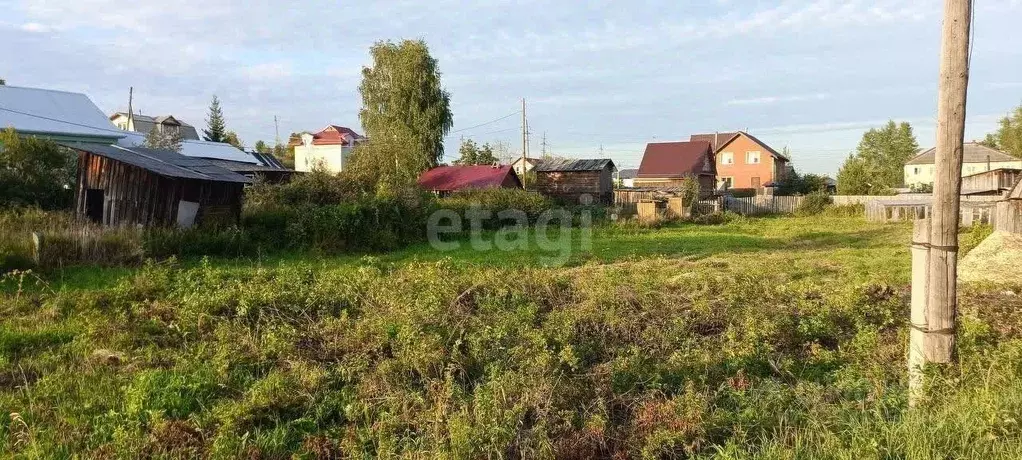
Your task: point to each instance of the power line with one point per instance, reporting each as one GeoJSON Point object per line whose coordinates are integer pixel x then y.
{"type": "Point", "coordinates": [488, 122]}
{"type": "Point", "coordinates": [117, 131]}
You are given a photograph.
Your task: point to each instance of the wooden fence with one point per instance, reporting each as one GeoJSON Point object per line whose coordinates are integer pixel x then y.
{"type": "Point", "coordinates": [971, 211]}
{"type": "Point", "coordinates": [1008, 216]}
{"type": "Point", "coordinates": [753, 205]}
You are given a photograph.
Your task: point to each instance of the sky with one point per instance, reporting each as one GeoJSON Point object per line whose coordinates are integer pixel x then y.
{"type": "Point", "coordinates": [601, 78]}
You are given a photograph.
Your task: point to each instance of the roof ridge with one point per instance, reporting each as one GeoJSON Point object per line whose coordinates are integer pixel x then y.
{"type": "Point", "coordinates": [48, 90]}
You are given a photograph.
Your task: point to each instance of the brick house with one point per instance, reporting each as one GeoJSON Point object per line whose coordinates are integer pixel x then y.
{"type": "Point", "coordinates": [667, 165]}
{"type": "Point", "coordinates": [743, 161]}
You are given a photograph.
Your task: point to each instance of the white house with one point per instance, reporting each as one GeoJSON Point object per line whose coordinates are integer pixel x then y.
{"type": "Point", "coordinates": [977, 158]}
{"type": "Point", "coordinates": [328, 149]}
{"type": "Point", "coordinates": [529, 163]}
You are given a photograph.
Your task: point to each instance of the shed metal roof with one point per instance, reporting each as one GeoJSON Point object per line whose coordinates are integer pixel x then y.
{"type": "Point", "coordinates": [573, 165]}
{"type": "Point", "coordinates": [163, 162]}
{"type": "Point", "coordinates": [55, 113]}
{"type": "Point", "coordinates": [197, 149]}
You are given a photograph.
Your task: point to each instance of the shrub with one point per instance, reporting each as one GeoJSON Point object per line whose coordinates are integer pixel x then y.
{"type": "Point", "coordinates": [813, 203]}
{"type": "Point", "coordinates": [496, 200]}
{"type": "Point", "coordinates": [35, 172]}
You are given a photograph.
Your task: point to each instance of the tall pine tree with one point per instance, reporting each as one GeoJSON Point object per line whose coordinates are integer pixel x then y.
{"type": "Point", "coordinates": [216, 128]}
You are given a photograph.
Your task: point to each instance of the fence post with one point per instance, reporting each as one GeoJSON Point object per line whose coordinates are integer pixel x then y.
{"type": "Point", "coordinates": [918, 323]}
{"type": "Point", "coordinates": [37, 247]}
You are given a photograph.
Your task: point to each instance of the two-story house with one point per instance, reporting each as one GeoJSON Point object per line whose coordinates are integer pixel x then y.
{"type": "Point", "coordinates": [144, 124]}
{"type": "Point", "coordinates": [976, 158]}
{"type": "Point", "coordinates": [743, 161]}
{"type": "Point", "coordinates": [328, 149]}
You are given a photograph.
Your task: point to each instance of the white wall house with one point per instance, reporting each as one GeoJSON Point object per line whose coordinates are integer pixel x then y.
{"type": "Point", "coordinates": [977, 158]}
{"type": "Point", "coordinates": [328, 149]}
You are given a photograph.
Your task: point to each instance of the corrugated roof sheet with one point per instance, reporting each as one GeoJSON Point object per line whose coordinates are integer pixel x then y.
{"type": "Point", "coordinates": [163, 162]}
{"type": "Point", "coordinates": [973, 153]}
{"type": "Point", "coordinates": [197, 149]}
{"type": "Point", "coordinates": [450, 178]}
{"type": "Point", "coordinates": [240, 167]}
{"type": "Point", "coordinates": [267, 159]}
{"type": "Point", "coordinates": [573, 165]}
{"type": "Point", "coordinates": [674, 159]}
{"type": "Point", "coordinates": [44, 111]}
{"type": "Point", "coordinates": [627, 173]}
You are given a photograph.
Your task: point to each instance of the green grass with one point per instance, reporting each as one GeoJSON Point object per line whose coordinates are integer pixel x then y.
{"type": "Point", "coordinates": [761, 338]}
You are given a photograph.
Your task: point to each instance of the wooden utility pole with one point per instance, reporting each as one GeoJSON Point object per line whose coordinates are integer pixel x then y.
{"type": "Point", "coordinates": [276, 130]}
{"type": "Point", "coordinates": [131, 116]}
{"type": "Point", "coordinates": [942, 301]}
{"type": "Point", "coordinates": [525, 145]}
{"type": "Point", "coordinates": [935, 242]}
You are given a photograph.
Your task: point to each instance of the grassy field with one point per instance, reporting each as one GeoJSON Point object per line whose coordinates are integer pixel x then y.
{"type": "Point", "coordinates": [760, 338]}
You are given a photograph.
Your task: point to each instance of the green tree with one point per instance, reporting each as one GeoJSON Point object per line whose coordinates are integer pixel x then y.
{"type": "Point", "coordinates": [157, 139]}
{"type": "Point", "coordinates": [35, 172]}
{"type": "Point", "coordinates": [261, 147]}
{"type": "Point", "coordinates": [1008, 137]}
{"type": "Point", "coordinates": [877, 166]}
{"type": "Point", "coordinates": [216, 128]}
{"type": "Point", "coordinates": [3, 82]}
{"type": "Point", "coordinates": [233, 139]}
{"type": "Point", "coordinates": [473, 154]}
{"type": "Point", "coordinates": [405, 112]}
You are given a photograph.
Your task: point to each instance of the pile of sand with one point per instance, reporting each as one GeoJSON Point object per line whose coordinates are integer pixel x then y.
{"type": "Point", "coordinates": [998, 259]}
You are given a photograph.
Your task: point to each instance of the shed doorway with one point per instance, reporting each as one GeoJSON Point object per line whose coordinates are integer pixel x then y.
{"type": "Point", "coordinates": [94, 205]}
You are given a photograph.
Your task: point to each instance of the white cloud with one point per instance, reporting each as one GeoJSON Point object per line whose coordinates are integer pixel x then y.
{"type": "Point", "coordinates": [779, 99]}
{"type": "Point", "coordinates": [35, 27]}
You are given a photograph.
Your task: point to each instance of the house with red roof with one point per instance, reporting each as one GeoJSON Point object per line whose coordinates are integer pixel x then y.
{"type": "Point", "coordinates": [745, 162]}
{"type": "Point", "coordinates": [328, 149]}
{"type": "Point", "coordinates": [667, 165]}
{"type": "Point", "coordinates": [443, 180]}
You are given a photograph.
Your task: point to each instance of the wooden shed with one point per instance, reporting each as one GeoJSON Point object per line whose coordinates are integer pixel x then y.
{"type": "Point", "coordinates": [572, 180]}
{"type": "Point", "coordinates": [140, 186]}
{"type": "Point", "coordinates": [993, 182]}
{"type": "Point", "coordinates": [1009, 211]}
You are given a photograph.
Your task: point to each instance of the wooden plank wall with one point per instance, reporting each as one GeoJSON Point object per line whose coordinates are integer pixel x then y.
{"type": "Point", "coordinates": [1008, 216]}
{"type": "Point", "coordinates": [135, 196]}
{"type": "Point", "coordinates": [569, 186]}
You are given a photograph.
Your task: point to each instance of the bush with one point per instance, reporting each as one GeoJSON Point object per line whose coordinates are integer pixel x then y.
{"type": "Point", "coordinates": [496, 200]}
{"type": "Point", "coordinates": [813, 203]}
{"type": "Point", "coordinates": [35, 172]}
{"type": "Point", "coordinates": [367, 224]}
{"type": "Point", "coordinates": [66, 241]}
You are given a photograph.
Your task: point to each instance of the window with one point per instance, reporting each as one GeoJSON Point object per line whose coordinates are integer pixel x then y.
{"type": "Point", "coordinates": [915, 170]}
{"type": "Point", "coordinates": [970, 169]}
{"type": "Point", "coordinates": [752, 158]}
{"type": "Point", "coordinates": [727, 182]}
{"type": "Point", "coordinates": [727, 158]}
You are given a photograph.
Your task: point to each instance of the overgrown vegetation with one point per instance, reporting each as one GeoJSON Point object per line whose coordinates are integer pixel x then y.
{"type": "Point", "coordinates": [784, 340]}
{"type": "Point", "coordinates": [35, 172]}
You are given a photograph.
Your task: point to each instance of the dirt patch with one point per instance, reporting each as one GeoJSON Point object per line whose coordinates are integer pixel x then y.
{"type": "Point", "coordinates": [995, 260]}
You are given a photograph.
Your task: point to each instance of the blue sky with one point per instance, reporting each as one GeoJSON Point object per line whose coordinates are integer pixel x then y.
{"type": "Point", "coordinates": [810, 75]}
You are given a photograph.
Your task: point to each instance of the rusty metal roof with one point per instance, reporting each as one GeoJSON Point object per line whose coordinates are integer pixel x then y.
{"type": "Point", "coordinates": [573, 165]}
{"type": "Point", "coordinates": [450, 178]}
